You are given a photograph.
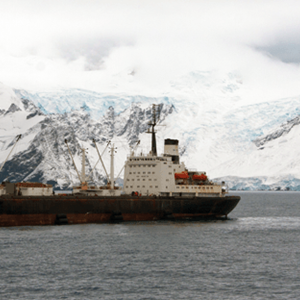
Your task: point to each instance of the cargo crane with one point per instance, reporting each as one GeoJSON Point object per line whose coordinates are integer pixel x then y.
{"type": "Point", "coordinates": [17, 139]}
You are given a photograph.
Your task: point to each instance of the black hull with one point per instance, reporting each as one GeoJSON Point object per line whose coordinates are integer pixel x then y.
{"type": "Point", "coordinates": [70, 209]}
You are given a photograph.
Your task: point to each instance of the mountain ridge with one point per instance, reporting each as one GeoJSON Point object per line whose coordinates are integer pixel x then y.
{"type": "Point", "coordinates": [223, 140]}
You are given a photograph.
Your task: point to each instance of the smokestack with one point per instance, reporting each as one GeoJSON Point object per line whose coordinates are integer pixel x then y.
{"type": "Point", "coordinates": [171, 149]}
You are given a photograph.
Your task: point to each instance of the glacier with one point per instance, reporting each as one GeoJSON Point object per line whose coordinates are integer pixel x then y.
{"type": "Point", "coordinates": [251, 146]}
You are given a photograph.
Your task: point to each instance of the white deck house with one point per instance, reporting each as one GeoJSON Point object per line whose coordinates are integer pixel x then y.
{"type": "Point", "coordinates": [155, 175]}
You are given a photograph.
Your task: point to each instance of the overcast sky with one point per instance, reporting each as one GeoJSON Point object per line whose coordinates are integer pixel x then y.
{"type": "Point", "coordinates": [135, 45]}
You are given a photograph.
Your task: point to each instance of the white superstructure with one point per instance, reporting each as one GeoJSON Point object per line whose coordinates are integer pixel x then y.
{"type": "Point", "coordinates": [166, 176]}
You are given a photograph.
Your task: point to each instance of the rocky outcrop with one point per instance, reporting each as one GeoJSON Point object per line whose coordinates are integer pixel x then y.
{"type": "Point", "coordinates": [283, 129]}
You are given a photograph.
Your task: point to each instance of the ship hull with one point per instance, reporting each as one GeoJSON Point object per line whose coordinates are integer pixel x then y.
{"type": "Point", "coordinates": [70, 209]}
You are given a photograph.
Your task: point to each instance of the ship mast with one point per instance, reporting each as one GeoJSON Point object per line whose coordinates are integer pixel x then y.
{"type": "Point", "coordinates": [112, 175]}
{"type": "Point", "coordinates": [152, 130]}
{"type": "Point", "coordinates": [83, 166]}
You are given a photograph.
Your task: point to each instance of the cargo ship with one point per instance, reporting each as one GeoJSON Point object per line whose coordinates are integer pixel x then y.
{"type": "Point", "coordinates": [155, 188]}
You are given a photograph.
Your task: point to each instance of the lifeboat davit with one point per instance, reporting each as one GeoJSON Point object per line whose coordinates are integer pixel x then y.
{"type": "Point", "coordinates": [182, 175]}
{"type": "Point", "coordinates": [201, 177]}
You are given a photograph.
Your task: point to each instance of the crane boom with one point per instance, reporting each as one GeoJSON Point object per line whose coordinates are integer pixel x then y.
{"type": "Point", "coordinates": [18, 137]}
{"type": "Point", "coordinates": [101, 159]}
{"type": "Point", "coordinates": [98, 162]}
{"type": "Point", "coordinates": [66, 141]}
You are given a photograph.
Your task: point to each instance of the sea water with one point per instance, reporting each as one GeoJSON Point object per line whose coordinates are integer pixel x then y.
{"type": "Point", "coordinates": [254, 255]}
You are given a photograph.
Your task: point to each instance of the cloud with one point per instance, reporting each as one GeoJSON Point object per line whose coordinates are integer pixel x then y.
{"type": "Point", "coordinates": [97, 44]}
{"type": "Point", "coordinates": [288, 52]}
{"type": "Point", "coordinates": [93, 49]}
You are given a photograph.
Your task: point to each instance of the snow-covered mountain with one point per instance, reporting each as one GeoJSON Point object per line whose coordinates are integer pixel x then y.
{"type": "Point", "coordinates": [250, 146]}
{"type": "Point", "coordinates": [41, 154]}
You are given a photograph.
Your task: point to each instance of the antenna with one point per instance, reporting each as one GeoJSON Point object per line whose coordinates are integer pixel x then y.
{"type": "Point", "coordinates": [152, 131]}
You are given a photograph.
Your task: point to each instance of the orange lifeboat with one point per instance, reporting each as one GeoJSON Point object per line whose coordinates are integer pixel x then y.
{"type": "Point", "coordinates": [201, 177]}
{"type": "Point", "coordinates": [182, 175]}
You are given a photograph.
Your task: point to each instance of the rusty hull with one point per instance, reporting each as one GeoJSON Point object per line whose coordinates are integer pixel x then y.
{"type": "Point", "coordinates": [43, 210]}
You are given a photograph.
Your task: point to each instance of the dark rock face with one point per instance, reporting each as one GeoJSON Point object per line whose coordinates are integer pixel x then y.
{"type": "Point", "coordinates": [20, 167]}
{"type": "Point", "coordinates": [30, 107]}
{"type": "Point", "coordinates": [284, 129]}
{"type": "Point", "coordinates": [13, 108]}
